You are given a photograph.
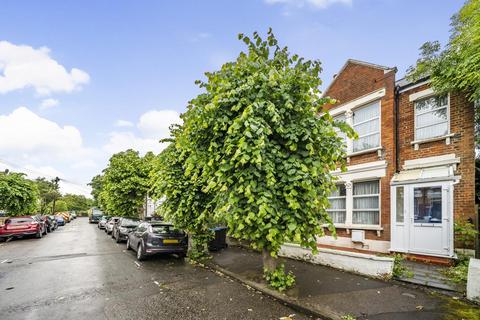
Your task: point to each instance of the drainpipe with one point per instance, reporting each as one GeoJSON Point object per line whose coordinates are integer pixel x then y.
{"type": "Point", "coordinates": [395, 111]}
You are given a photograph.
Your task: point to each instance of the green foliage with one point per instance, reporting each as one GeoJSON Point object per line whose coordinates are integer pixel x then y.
{"type": "Point", "coordinates": [185, 204]}
{"type": "Point", "coordinates": [18, 195]}
{"type": "Point", "coordinates": [399, 267]}
{"type": "Point", "coordinates": [125, 183]}
{"type": "Point", "coordinates": [61, 206]}
{"type": "Point", "coordinates": [465, 233]}
{"type": "Point", "coordinates": [279, 279]}
{"type": "Point", "coordinates": [47, 192]}
{"type": "Point", "coordinates": [459, 272]}
{"type": "Point", "coordinates": [256, 151]}
{"type": "Point", "coordinates": [97, 187]}
{"type": "Point", "coordinates": [348, 317]}
{"type": "Point", "coordinates": [77, 202]}
{"type": "Point", "coordinates": [456, 67]}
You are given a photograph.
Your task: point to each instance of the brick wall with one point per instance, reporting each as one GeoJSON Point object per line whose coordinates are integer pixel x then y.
{"type": "Point", "coordinates": [354, 81]}
{"type": "Point", "coordinates": [462, 145]}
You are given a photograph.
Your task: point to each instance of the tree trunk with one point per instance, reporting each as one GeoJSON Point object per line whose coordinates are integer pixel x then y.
{"type": "Point", "coordinates": [269, 263]}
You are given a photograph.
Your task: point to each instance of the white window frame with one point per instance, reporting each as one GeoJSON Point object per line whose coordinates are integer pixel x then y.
{"type": "Point", "coordinates": [415, 114]}
{"type": "Point", "coordinates": [379, 132]}
{"type": "Point", "coordinates": [339, 197]}
{"type": "Point", "coordinates": [368, 195]}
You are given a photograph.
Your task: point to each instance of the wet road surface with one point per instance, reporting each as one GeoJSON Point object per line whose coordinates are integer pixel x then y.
{"type": "Point", "coordinates": [78, 272]}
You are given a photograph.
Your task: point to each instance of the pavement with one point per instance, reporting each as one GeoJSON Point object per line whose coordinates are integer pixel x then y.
{"type": "Point", "coordinates": [332, 294]}
{"type": "Point", "coordinates": [78, 272]}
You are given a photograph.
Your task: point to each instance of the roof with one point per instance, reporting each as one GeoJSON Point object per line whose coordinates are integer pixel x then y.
{"type": "Point", "coordinates": [363, 63]}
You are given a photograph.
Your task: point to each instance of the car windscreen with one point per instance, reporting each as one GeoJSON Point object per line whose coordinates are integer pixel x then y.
{"type": "Point", "coordinates": [18, 220]}
{"type": "Point", "coordinates": [165, 228]}
{"type": "Point", "coordinates": [129, 223]}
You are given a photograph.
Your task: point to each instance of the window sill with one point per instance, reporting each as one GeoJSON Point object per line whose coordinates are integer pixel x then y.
{"type": "Point", "coordinates": [446, 137]}
{"type": "Point", "coordinates": [357, 227]}
{"type": "Point", "coordinates": [357, 153]}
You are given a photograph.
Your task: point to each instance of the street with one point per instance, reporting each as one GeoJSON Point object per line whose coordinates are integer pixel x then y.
{"type": "Point", "coordinates": [78, 272]}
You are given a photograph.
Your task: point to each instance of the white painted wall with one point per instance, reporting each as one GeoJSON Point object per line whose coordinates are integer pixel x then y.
{"type": "Point", "coordinates": [473, 280]}
{"type": "Point", "coordinates": [365, 264]}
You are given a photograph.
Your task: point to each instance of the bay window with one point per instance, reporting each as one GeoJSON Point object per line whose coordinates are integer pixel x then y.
{"type": "Point", "coordinates": [338, 209]}
{"type": "Point", "coordinates": [431, 117]}
{"type": "Point", "coordinates": [366, 122]}
{"type": "Point", "coordinates": [366, 203]}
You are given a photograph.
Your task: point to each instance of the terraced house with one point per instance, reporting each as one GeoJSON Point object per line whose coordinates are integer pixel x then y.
{"type": "Point", "coordinates": [411, 171]}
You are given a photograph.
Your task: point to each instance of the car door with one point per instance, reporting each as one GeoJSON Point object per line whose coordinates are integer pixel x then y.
{"type": "Point", "coordinates": [136, 235]}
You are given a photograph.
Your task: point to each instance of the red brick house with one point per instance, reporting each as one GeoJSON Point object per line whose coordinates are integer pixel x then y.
{"type": "Point", "coordinates": [411, 172]}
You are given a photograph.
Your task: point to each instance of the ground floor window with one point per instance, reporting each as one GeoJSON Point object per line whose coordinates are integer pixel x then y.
{"type": "Point", "coordinates": [366, 202]}
{"type": "Point", "coordinates": [338, 209]}
{"type": "Point", "coordinates": [427, 205]}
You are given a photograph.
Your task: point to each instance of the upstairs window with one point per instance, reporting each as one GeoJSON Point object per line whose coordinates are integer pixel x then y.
{"type": "Point", "coordinates": [431, 117]}
{"type": "Point", "coordinates": [338, 208]}
{"type": "Point", "coordinates": [366, 122]}
{"type": "Point", "coordinates": [341, 134]}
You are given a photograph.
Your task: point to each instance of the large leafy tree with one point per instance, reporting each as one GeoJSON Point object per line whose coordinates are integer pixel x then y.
{"type": "Point", "coordinates": [97, 186]}
{"type": "Point", "coordinates": [18, 195]}
{"type": "Point", "coordinates": [125, 183]}
{"type": "Point", "coordinates": [259, 141]}
{"type": "Point", "coordinates": [48, 191]}
{"type": "Point", "coordinates": [455, 67]}
{"type": "Point", "coordinates": [77, 202]}
{"type": "Point", "coordinates": [184, 202]}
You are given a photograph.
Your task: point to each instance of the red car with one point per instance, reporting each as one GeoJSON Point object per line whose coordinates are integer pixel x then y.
{"type": "Point", "coordinates": [19, 227]}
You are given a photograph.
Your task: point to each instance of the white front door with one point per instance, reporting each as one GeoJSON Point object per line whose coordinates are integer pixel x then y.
{"type": "Point", "coordinates": [422, 217]}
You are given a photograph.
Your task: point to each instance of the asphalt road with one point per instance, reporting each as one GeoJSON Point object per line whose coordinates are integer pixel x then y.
{"type": "Point", "coordinates": [78, 272]}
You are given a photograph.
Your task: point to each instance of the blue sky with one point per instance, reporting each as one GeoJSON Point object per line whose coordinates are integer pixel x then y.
{"type": "Point", "coordinates": [136, 62]}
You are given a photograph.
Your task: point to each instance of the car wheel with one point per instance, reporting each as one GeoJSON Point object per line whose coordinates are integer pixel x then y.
{"type": "Point", "coordinates": [128, 244]}
{"type": "Point", "coordinates": [39, 234]}
{"type": "Point", "coordinates": [45, 232]}
{"type": "Point", "coordinates": [140, 254]}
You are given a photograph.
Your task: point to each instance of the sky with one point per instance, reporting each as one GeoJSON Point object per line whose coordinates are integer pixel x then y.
{"type": "Point", "coordinates": [81, 80]}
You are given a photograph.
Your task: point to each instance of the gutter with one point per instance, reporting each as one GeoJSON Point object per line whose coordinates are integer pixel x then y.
{"type": "Point", "coordinates": [395, 111]}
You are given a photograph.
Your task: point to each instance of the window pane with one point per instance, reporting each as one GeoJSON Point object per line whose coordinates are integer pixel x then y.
{"type": "Point", "coordinates": [339, 132]}
{"type": "Point", "coordinates": [370, 202]}
{"type": "Point", "coordinates": [337, 216]}
{"type": "Point", "coordinates": [367, 127]}
{"type": "Point", "coordinates": [431, 103]}
{"type": "Point", "coordinates": [399, 201]}
{"type": "Point", "coordinates": [365, 217]}
{"type": "Point", "coordinates": [436, 130]}
{"type": "Point", "coordinates": [366, 113]}
{"type": "Point", "coordinates": [432, 117]}
{"type": "Point", "coordinates": [428, 205]}
{"type": "Point", "coordinates": [337, 203]}
{"type": "Point", "coordinates": [365, 143]}
{"type": "Point", "coordinates": [339, 192]}
{"type": "Point", "coordinates": [367, 187]}
{"type": "Point", "coordinates": [365, 203]}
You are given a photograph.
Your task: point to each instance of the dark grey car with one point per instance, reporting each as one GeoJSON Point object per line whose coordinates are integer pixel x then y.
{"type": "Point", "coordinates": [154, 237]}
{"type": "Point", "coordinates": [123, 227]}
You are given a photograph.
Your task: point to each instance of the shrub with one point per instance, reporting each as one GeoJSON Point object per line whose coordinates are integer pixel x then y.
{"type": "Point", "coordinates": [279, 279]}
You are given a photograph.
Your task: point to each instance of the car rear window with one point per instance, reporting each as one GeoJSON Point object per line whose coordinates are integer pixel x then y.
{"type": "Point", "coordinates": [129, 223]}
{"type": "Point", "coordinates": [18, 220]}
{"type": "Point", "coordinates": [165, 228]}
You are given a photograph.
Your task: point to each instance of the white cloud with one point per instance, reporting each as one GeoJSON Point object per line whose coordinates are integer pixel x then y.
{"type": "Point", "coordinates": [320, 4]}
{"type": "Point", "coordinates": [121, 141]}
{"type": "Point", "coordinates": [23, 66]}
{"type": "Point", "coordinates": [155, 123]}
{"type": "Point", "coordinates": [123, 123]}
{"type": "Point", "coordinates": [48, 103]}
{"type": "Point", "coordinates": [25, 133]}
{"type": "Point", "coordinates": [152, 126]}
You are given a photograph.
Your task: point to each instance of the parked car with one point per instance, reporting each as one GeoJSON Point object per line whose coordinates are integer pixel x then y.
{"type": "Point", "coordinates": [49, 223]}
{"type": "Point", "coordinates": [60, 220]}
{"type": "Point", "coordinates": [103, 221]}
{"type": "Point", "coordinates": [65, 216]}
{"type": "Point", "coordinates": [94, 216]}
{"type": "Point", "coordinates": [53, 221]}
{"type": "Point", "coordinates": [110, 223]}
{"type": "Point", "coordinates": [154, 237]}
{"type": "Point", "coordinates": [42, 223]}
{"type": "Point", "coordinates": [18, 227]}
{"type": "Point", "coordinates": [123, 227]}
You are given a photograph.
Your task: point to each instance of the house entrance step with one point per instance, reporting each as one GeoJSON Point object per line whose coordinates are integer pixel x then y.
{"type": "Point", "coordinates": [429, 275]}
